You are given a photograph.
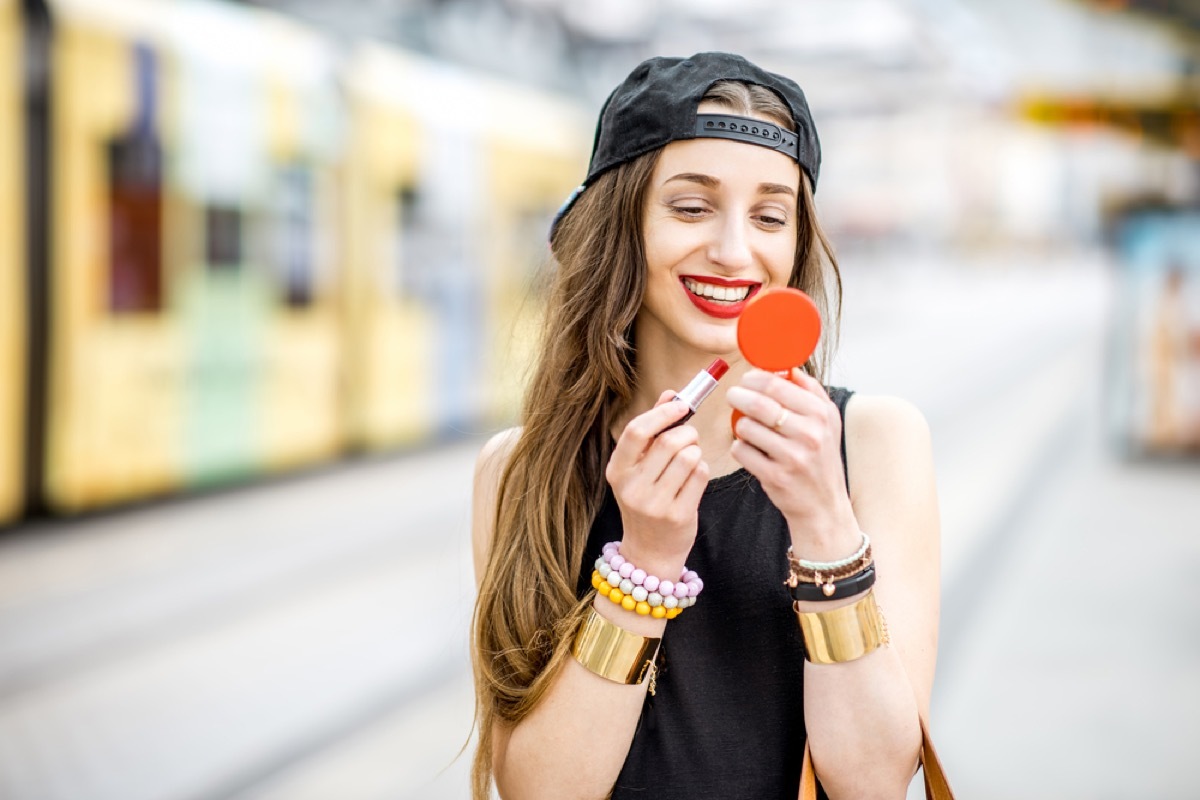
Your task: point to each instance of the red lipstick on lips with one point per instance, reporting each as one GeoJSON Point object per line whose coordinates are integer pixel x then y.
{"type": "Point", "coordinates": [716, 309]}
{"type": "Point", "coordinates": [699, 388]}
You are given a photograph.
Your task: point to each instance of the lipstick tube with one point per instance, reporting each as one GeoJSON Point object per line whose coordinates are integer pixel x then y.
{"type": "Point", "coordinates": [699, 388]}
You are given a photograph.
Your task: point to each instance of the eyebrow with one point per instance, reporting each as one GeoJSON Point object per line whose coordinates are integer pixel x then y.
{"type": "Point", "coordinates": [695, 177]}
{"type": "Point", "coordinates": [712, 183]}
{"type": "Point", "coordinates": [776, 188]}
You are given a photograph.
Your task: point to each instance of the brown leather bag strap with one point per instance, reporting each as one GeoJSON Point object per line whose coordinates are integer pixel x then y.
{"type": "Point", "coordinates": [936, 785]}
{"type": "Point", "coordinates": [808, 778]}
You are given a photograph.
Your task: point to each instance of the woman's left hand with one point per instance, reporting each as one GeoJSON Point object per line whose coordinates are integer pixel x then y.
{"type": "Point", "coordinates": [790, 439]}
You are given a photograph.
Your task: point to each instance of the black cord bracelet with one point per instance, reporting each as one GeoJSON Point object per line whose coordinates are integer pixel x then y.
{"type": "Point", "coordinates": [846, 587]}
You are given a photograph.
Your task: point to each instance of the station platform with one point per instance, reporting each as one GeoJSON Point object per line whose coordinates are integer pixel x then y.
{"type": "Point", "coordinates": [307, 637]}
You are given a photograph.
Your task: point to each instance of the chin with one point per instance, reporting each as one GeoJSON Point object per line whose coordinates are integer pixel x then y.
{"type": "Point", "coordinates": [722, 343]}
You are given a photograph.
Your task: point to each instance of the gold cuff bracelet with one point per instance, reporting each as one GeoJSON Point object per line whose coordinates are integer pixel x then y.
{"type": "Point", "coordinates": [612, 652]}
{"type": "Point", "coordinates": [843, 634]}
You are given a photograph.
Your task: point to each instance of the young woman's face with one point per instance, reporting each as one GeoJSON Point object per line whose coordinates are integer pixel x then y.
{"type": "Point", "coordinates": [719, 226]}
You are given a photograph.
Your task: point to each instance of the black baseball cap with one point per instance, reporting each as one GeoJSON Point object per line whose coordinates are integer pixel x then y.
{"type": "Point", "coordinates": [657, 103]}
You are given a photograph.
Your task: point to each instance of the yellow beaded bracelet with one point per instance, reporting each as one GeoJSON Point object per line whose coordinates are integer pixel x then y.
{"type": "Point", "coordinates": [627, 601]}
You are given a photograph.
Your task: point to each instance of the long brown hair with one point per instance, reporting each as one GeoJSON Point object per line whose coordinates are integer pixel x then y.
{"type": "Point", "coordinates": [552, 484]}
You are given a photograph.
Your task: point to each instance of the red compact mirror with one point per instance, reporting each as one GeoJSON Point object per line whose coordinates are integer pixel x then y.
{"type": "Point", "coordinates": [778, 330]}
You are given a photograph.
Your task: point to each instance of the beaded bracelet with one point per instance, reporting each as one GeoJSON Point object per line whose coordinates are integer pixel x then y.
{"type": "Point", "coordinates": [623, 583]}
{"type": "Point", "coordinates": [629, 602]}
{"type": "Point", "coordinates": [847, 587]}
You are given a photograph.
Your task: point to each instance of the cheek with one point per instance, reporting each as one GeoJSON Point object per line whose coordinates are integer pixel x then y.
{"type": "Point", "coordinates": [663, 252]}
{"type": "Point", "coordinates": [782, 261]}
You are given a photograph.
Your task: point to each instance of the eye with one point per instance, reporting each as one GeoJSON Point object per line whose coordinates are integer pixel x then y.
{"type": "Point", "coordinates": [688, 210]}
{"type": "Point", "coordinates": [772, 220]}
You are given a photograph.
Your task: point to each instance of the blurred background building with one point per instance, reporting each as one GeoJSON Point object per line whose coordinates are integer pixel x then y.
{"type": "Point", "coordinates": [270, 272]}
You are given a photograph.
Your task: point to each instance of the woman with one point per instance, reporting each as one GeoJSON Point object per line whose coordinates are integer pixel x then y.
{"type": "Point", "coordinates": [676, 226]}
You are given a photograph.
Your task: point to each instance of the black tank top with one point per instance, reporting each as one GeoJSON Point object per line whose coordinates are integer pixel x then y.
{"type": "Point", "coordinates": [727, 719]}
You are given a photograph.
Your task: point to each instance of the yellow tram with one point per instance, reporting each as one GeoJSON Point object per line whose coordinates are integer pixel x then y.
{"type": "Point", "coordinates": [261, 254]}
{"type": "Point", "coordinates": [12, 268]}
{"type": "Point", "coordinates": [191, 228]}
{"type": "Point", "coordinates": [451, 184]}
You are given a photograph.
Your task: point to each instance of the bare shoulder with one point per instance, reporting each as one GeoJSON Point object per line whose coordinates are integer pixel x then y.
{"type": "Point", "coordinates": [889, 453]}
{"type": "Point", "coordinates": [494, 455]}
{"type": "Point", "coordinates": [882, 422]}
{"type": "Point", "coordinates": [489, 466]}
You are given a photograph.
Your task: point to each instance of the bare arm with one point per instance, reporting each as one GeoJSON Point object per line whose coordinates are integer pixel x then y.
{"type": "Point", "coordinates": [574, 742]}
{"type": "Point", "coordinates": [861, 716]}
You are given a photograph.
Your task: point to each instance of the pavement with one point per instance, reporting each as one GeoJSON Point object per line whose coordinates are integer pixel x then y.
{"type": "Point", "coordinates": [1073, 668]}
{"type": "Point", "coordinates": [307, 637]}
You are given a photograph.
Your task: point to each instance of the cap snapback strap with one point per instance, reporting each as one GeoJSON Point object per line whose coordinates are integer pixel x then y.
{"type": "Point", "coordinates": [750, 130]}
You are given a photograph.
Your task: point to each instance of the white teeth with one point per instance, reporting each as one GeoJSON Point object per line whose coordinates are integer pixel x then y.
{"type": "Point", "coordinates": [727, 294]}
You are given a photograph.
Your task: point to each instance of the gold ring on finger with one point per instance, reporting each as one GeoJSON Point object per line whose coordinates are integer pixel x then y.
{"type": "Point", "coordinates": [783, 415]}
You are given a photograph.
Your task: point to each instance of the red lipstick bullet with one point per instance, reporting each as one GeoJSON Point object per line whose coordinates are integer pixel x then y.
{"type": "Point", "coordinates": [699, 388]}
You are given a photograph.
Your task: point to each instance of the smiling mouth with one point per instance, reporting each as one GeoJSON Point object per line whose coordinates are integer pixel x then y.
{"type": "Point", "coordinates": [730, 295]}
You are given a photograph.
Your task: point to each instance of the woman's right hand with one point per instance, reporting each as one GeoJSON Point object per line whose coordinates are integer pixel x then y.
{"type": "Point", "coordinates": [658, 478]}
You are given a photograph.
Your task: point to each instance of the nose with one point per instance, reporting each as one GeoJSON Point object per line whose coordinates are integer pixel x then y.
{"type": "Point", "coordinates": [730, 247]}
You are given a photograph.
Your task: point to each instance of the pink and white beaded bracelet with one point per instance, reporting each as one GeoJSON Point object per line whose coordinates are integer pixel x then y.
{"type": "Point", "coordinates": [625, 578]}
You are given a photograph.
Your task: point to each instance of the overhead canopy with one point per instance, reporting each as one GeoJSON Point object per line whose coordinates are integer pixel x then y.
{"type": "Point", "coordinates": [1181, 12]}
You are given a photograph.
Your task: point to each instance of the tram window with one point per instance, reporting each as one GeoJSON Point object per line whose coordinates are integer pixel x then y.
{"type": "Point", "coordinates": [223, 237]}
{"type": "Point", "coordinates": [291, 235]}
{"type": "Point", "coordinates": [408, 236]}
{"type": "Point", "coordinates": [423, 250]}
{"type": "Point", "coordinates": [135, 224]}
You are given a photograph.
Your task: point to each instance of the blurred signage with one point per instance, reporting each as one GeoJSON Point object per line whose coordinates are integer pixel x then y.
{"type": "Point", "coordinates": [1173, 122]}
{"type": "Point", "coordinates": [1155, 368]}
